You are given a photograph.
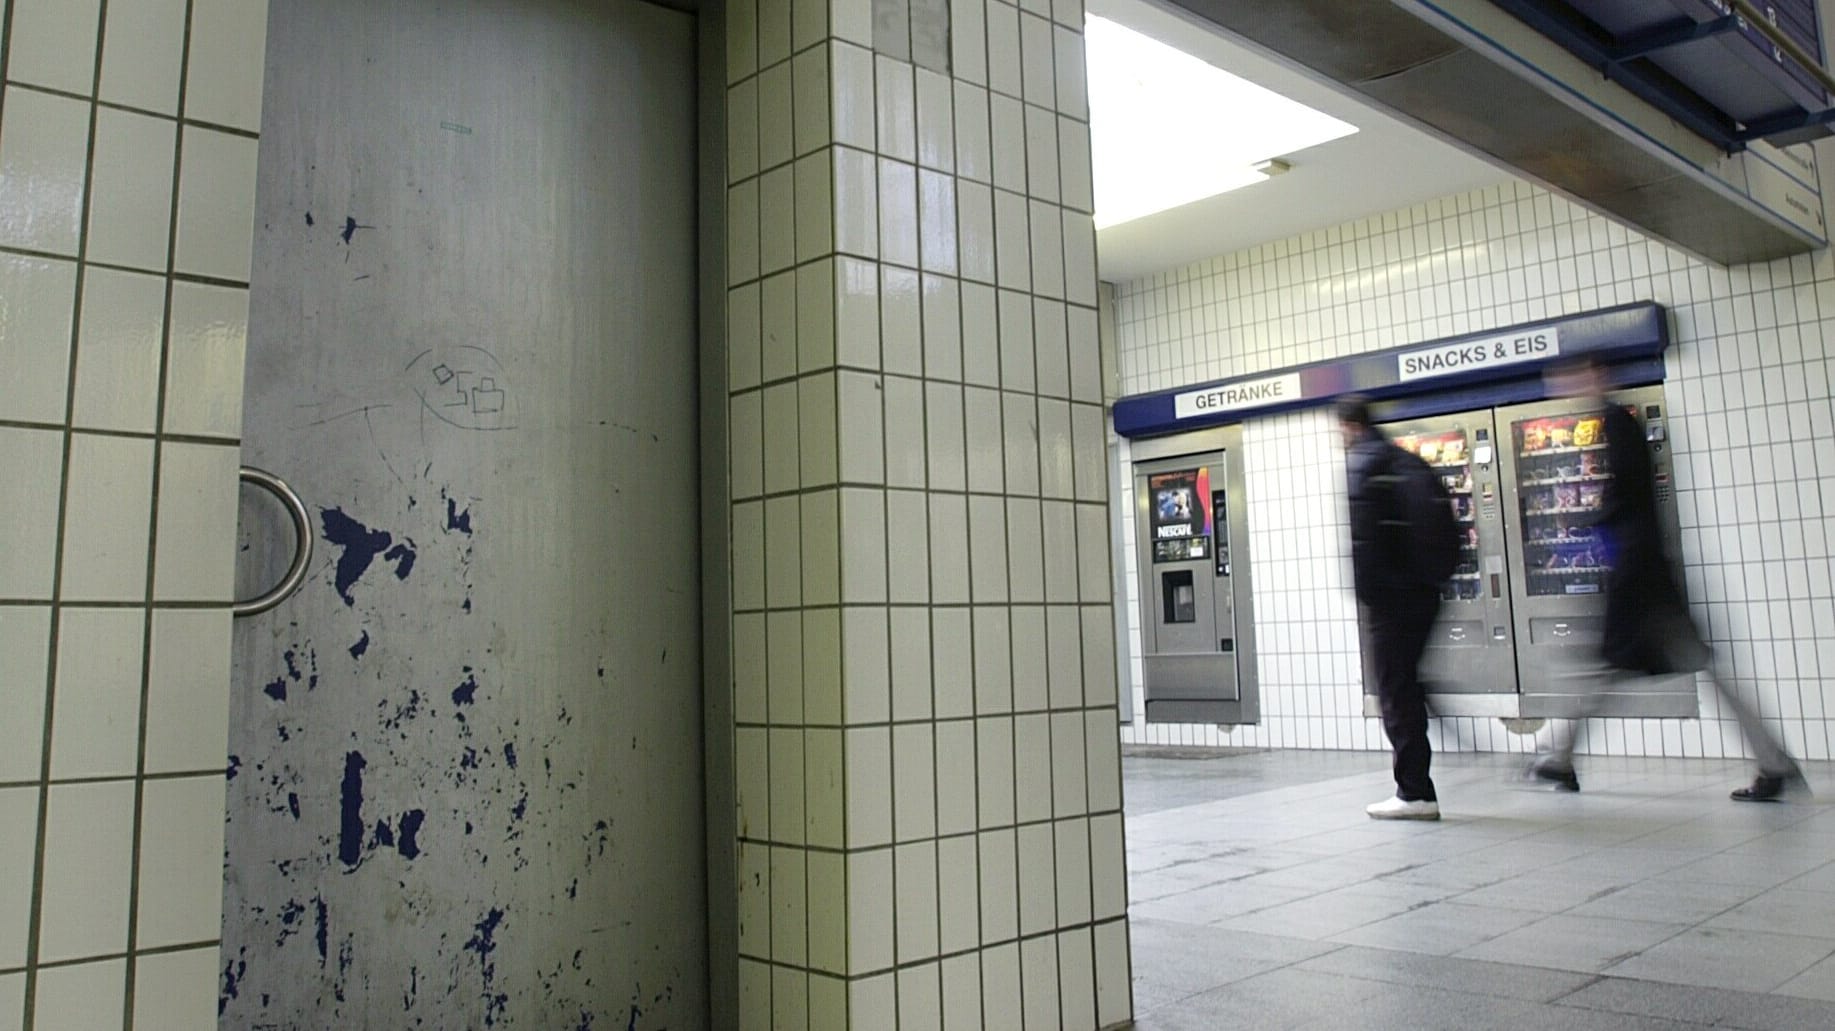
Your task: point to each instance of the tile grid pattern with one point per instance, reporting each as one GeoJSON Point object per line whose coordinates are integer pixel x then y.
{"type": "Point", "coordinates": [127, 156]}
{"type": "Point", "coordinates": [1259, 887]}
{"type": "Point", "coordinates": [928, 771]}
{"type": "Point", "coordinates": [1749, 396]}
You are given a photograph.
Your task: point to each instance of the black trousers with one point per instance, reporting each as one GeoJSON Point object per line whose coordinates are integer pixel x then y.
{"type": "Point", "coordinates": [1398, 633]}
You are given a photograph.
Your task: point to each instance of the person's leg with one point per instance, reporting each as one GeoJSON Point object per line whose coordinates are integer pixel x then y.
{"type": "Point", "coordinates": [1400, 637]}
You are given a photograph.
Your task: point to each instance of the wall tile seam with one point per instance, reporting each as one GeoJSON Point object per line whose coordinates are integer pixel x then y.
{"type": "Point", "coordinates": [192, 278]}
{"type": "Point", "coordinates": [816, 372]}
{"type": "Point", "coordinates": [114, 105]}
{"type": "Point", "coordinates": [105, 957]}
{"type": "Point", "coordinates": [930, 960]}
{"type": "Point", "coordinates": [71, 426]}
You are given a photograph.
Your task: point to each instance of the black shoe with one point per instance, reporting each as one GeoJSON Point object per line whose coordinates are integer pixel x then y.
{"type": "Point", "coordinates": [1772, 787]}
{"type": "Point", "coordinates": [1562, 777]}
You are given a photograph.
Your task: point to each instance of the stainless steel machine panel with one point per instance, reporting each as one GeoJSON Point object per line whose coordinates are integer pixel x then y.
{"type": "Point", "coordinates": [1472, 650]}
{"type": "Point", "coordinates": [1555, 472]}
{"type": "Point", "coordinates": [1197, 655]}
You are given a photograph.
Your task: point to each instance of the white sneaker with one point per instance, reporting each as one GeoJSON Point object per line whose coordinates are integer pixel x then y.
{"type": "Point", "coordinates": [1396, 809]}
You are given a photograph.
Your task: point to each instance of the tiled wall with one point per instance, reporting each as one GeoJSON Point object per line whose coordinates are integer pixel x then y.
{"type": "Point", "coordinates": [127, 155]}
{"type": "Point", "coordinates": [1751, 419]}
{"type": "Point", "coordinates": [928, 777]}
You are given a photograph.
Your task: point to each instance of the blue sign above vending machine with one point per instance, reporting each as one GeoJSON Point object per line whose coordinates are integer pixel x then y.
{"type": "Point", "coordinates": [1491, 367]}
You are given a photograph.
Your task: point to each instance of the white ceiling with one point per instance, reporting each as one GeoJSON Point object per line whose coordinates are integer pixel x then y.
{"type": "Point", "coordinates": [1384, 166]}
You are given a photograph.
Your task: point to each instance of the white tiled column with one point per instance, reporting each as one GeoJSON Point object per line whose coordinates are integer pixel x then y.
{"type": "Point", "coordinates": [928, 767]}
{"type": "Point", "coordinates": [127, 158]}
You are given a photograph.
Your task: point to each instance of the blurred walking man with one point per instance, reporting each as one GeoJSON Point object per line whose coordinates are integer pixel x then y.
{"type": "Point", "coordinates": [1647, 629]}
{"type": "Point", "coordinates": [1404, 544]}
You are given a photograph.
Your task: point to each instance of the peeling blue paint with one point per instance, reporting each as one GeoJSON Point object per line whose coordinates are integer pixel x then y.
{"type": "Point", "coordinates": [403, 556]}
{"type": "Point", "coordinates": [293, 804]}
{"type": "Point", "coordinates": [362, 645]}
{"type": "Point", "coordinates": [410, 827]}
{"type": "Point", "coordinates": [385, 835]}
{"type": "Point", "coordinates": [321, 927]}
{"type": "Point", "coordinates": [509, 754]}
{"type": "Point", "coordinates": [233, 972]}
{"type": "Point", "coordinates": [361, 546]}
{"type": "Point", "coordinates": [235, 767]}
{"type": "Point", "coordinates": [456, 519]}
{"type": "Point", "coordinates": [277, 689]}
{"type": "Point", "coordinates": [350, 833]}
{"type": "Point", "coordinates": [467, 689]}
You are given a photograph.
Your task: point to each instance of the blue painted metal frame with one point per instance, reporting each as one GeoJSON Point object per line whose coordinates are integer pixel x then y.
{"type": "Point", "coordinates": [1622, 60]}
{"type": "Point", "coordinates": [1631, 338]}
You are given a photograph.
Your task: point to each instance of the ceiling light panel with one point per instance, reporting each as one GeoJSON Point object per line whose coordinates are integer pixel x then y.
{"type": "Point", "coordinates": [1167, 128]}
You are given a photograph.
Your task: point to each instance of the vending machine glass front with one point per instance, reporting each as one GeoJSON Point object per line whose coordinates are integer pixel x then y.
{"type": "Point", "coordinates": [1561, 473]}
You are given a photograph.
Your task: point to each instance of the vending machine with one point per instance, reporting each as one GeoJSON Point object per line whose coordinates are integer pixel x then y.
{"type": "Point", "coordinates": [1522, 615]}
{"type": "Point", "coordinates": [1197, 626]}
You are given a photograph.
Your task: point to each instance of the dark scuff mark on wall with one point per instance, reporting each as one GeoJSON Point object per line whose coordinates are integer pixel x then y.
{"type": "Point", "coordinates": [350, 832]}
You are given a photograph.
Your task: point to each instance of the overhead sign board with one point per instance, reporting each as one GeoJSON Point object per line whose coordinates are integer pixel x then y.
{"type": "Point", "coordinates": [1534, 344]}
{"type": "Point", "coordinates": [1229, 397]}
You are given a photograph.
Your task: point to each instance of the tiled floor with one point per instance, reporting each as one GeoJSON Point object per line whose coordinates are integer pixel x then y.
{"type": "Point", "coordinates": [1262, 897]}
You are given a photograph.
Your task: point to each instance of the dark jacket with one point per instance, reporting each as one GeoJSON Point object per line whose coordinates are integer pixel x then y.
{"type": "Point", "coordinates": [1380, 531]}
{"type": "Point", "coordinates": [1645, 611]}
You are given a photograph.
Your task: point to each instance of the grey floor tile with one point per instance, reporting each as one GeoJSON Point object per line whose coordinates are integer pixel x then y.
{"type": "Point", "coordinates": [1542, 892]}
{"type": "Point", "coordinates": [1322, 916]}
{"type": "Point", "coordinates": [1725, 958]}
{"type": "Point", "coordinates": [1818, 982]}
{"type": "Point", "coordinates": [1529, 984]}
{"type": "Point", "coordinates": [1810, 914]}
{"type": "Point", "coordinates": [1173, 961]}
{"type": "Point", "coordinates": [1335, 872]}
{"type": "Point", "coordinates": [1586, 944]}
{"type": "Point", "coordinates": [1718, 1007]}
{"type": "Point", "coordinates": [1429, 1009]}
{"type": "Point", "coordinates": [1280, 999]}
{"type": "Point", "coordinates": [1763, 871]}
{"type": "Point", "coordinates": [1217, 902]}
{"type": "Point", "coordinates": [1687, 902]}
{"type": "Point", "coordinates": [1820, 879]}
{"type": "Point", "coordinates": [1441, 928]}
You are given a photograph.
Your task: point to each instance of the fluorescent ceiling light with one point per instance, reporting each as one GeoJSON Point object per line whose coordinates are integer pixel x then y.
{"type": "Point", "coordinates": [1166, 128]}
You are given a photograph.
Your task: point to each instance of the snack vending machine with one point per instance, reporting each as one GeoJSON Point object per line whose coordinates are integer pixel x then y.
{"type": "Point", "coordinates": [1523, 612]}
{"type": "Point", "coordinates": [1556, 471]}
{"type": "Point", "coordinates": [1471, 650]}
{"type": "Point", "coordinates": [1197, 632]}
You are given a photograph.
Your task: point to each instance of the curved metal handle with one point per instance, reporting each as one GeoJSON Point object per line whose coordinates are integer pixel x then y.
{"type": "Point", "coordinates": [302, 543]}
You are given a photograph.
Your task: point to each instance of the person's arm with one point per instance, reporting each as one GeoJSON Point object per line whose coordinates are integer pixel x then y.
{"type": "Point", "coordinates": [1370, 492]}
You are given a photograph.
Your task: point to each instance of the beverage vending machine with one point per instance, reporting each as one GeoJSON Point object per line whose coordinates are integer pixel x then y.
{"type": "Point", "coordinates": [1196, 615]}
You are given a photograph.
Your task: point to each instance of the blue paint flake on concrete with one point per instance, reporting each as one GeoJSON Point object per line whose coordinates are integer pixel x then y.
{"type": "Point", "coordinates": [276, 689]}
{"type": "Point", "coordinates": [321, 927]}
{"type": "Point", "coordinates": [410, 827]}
{"type": "Point", "coordinates": [458, 520]}
{"type": "Point", "coordinates": [361, 546]}
{"type": "Point", "coordinates": [403, 556]}
{"type": "Point", "coordinates": [350, 831]}
{"type": "Point", "coordinates": [362, 645]}
{"type": "Point", "coordinates": [467, 689]}
{"type": "Point", "coordinates": [509, 754]}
